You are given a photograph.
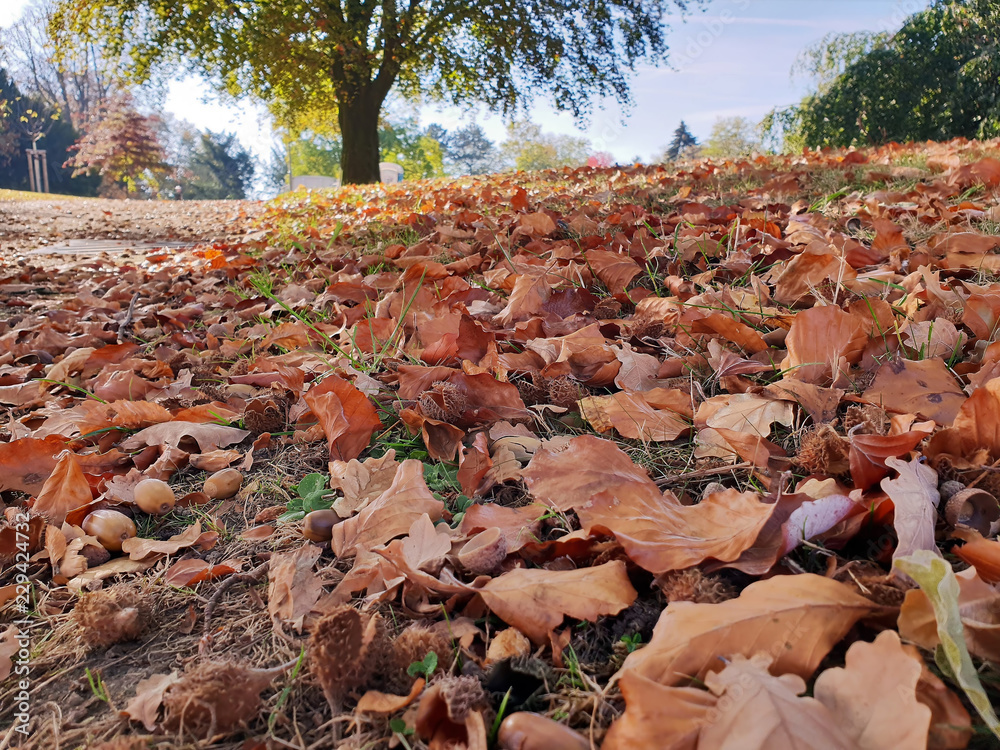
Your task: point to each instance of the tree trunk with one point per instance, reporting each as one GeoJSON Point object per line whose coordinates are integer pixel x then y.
{"type": "Point", "coordinates": [358, 119]}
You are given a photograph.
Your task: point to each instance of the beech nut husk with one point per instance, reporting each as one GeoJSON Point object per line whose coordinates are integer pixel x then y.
{"type": "Point", "coordinates": [223, 484]}
{"type": "Point", "coordinates": [154, 496]}
{"type": "Point", "coordinates": [484, 552]}
{"type": "Point", "coordinates": [318, 525]}
{"type": "Point", "coordinates": [110, 528]}
{"type": "Point", "coordinates": [530, 731]}
{"type": "Point", "coordinates": [973, 508]}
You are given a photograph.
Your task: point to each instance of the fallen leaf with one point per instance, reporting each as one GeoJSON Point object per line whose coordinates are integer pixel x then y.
{"type": "Point", "coordinates": [822, 343]}
{"type": "Point", "coordinates": [346, 414]}
{"type": "Point", "coordinates": [191, 572]}
{"type": "Point", "coordinates": [874, 696]}
{"type": "Point", "coordinates": [869, 453]}
{"type": "Point", "coordinates": [293, 587]}
{"type": "Point", "coordinates": [391, 514]}
{"type": "Point", "coordinates": [668, 718]}
{"type": "Point", "coordinates": [915, 498]}
{"type": "Point", "coordinates": [925, 388]}
{"type": "Point", "coordinates": [375, 702]}
{"type": "Point", "coordinates": [659, 414]}
{"type": "Point", "coordinates": [209, 437]}
{"type": "Point", "coordinates": [9, 645]}
{"type": "Point", "coordinates": [794, 619]}
{"type": "Point", "coordinates": [766, 711]}
{"type": "Point", "coordinates": [361, 481]}
{"type": "Point", "coordinates": [534, 601]}
{"type": "Point", "coordinates": [145, 706]}
{"type": "Point", "coordinates": [65, 490]}
{"type": "Point", "coordinates": [138, 548]}
{"type": "Point", "coordinates": [660, 535]}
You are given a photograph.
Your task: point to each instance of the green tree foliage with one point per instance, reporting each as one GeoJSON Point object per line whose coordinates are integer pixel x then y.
{"type": "Point", "coordinates": [469, 151]}
{"type": "Point", "coordinates": [936, 78]}
{"type": "Point", "coordinates": [528, 147]}
{"type": "Point", "coordinates": [682, 143]}
{"type": "Point", "coordinates": [345, 56]}
{"type": "Point", "coordinates": [732, 138]}
{"type": "Point", "coordinates": [26, 122]}
{"type": "Point", "coordinates": [121, 146]}
{"type": "Point", "coordinates": [219, 168]}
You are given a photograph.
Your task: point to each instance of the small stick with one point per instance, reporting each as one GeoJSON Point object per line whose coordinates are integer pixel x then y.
{"type": "Point", "coordinates": [703, 473]}
{"type": "Point", "coordinates": [248, 577]}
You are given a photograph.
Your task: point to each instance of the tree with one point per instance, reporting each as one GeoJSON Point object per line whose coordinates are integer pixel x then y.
{"type": "Point", "coordinates": [469, 151]}
{"type": "Point", "coordinates": [219, 168]}
{"type": "Point", "coordinates": [26, 122]}
{"type": "Point", "coordinates": [600, 159]}
{"type": "Point", "coordinates": [732, 138]}
{"type": "Point", "coordinates": [528, 147]}
{"type": "Point", "coordinates": [682, 142]}
{"type": "Point", "coordinates": [121, 146]}
{"type": "Point", "coordinates": [76, 83]}
{"type": "Point", "coordinates": [345, 56]}
{"type": "Point", "coordinates": [934, 79]}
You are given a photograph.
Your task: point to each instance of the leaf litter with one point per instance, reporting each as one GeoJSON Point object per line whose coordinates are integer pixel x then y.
{"type": "Point", "coordinates": [692, 456]}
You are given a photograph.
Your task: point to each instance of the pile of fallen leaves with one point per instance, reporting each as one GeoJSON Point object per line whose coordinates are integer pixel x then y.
{"type": "Point", "coordinates": [705, 457]}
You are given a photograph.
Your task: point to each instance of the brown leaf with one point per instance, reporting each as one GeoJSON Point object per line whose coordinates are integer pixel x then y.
{"type": "Point", "coordinates": [978, 422]}
{"type": "Point", "coordinates": [519, 526]}
{"type": "Point", "coordinates": [9, 645]}
{"type": "Point", "coordinates": [925, 388]}
{"type": "Point", "coordinates": [795, 619]}
{"type": "Point", "coordinates": [535, 601]}
{"type": "Point", "coordinates": [25, 464]}
{"type": "Point", "coordinates": [191, 572]}
{"type": "Point", "coordinates": [374, 702]}
{"type": "Point", "coordinates": [660, 535]}
{"type": "Point", "coordinates": [638, 370]}
{"type": "Point", "coordinates": [822, 343]}
{"type": "Point", "coordinates": [868, 454]}
{"type": "Point", "coordinates": [915, 497]}
{"type": "Point", "coordinates": [391, 514]}
{"type": "Point", "coordinates": [145, 706]}
{"type": "Point", "coordinates": [978, 605]}
{"type": "Point", "coordinates": [65, 490]}
{"type": "Point", "coordinates": [361, 481]}
{"type": "Point", "coordinates": [982, 554]}
{"type": "Point", "coordinates": [766, 712]}
{"type": "Point", "coordinates": [659, 414]}
{"type": "Point", "coordinates": [615, 270]}
{"type": "Point", "coordinates": [668, 718]}
{"type": "Point", "coordinates": [209, 437]}
{"type": "Point", "coordinates": [346, 414]}
{"type": "Point", "coordinates": [293, 588]}
{"type": "Point", "coordinates": [138, 548]}
{"type": "Point", "coordinates": [874, 696]}
{"type": "Point", "coordinates": [569, 473]}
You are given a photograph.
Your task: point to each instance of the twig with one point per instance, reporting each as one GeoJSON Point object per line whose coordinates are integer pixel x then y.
{"type": "Point", "coordinates": [986, 470]}
{"type": "Point", "coordinates": [703, 473]}
{"type": "Point", "coordinates": [249, 577]}
{"type": "Point", "coordinates": [126, 324]}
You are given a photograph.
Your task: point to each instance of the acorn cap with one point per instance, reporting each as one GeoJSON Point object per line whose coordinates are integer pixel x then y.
{"type": "Point", "coordinates": [974, 508]}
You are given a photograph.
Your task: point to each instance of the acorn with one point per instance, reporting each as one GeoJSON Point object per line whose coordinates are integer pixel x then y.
{"type": "Point", "coordinates": [110, 527]}
{"type": "Point", "coordinates": [154, 496]}
{"type": "Point", "coordinates": [223, 484]}
{"type": "Point", "coordinates": [318, 525]}
{"type": "Point", "coordinates": [529, 731]}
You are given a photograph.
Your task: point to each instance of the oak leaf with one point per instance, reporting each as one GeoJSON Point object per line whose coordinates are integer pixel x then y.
{"type": "Point", "coordinates": [874, 696]}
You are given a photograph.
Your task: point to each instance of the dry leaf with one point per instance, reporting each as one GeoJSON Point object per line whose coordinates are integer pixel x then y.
{"type": "Point", "coordinates": [766, 713]}
{"type": "Point", "coordinates": [145, 706]}
{"type": "Point", "coordinates": [874, 696]}
{"type": "Point", "coordinates": [361, 481]}
{"type": "Point", "coordinates": [668, 718]}
{"type": "Point", "coordinates": [794, 619]}
{"type": "Point", "coordinates": [915, 497]}
{"type": "Point", "coordinates": [293, 588]}
{"type": "Point", "coordinates": [66, 489]}
{"type": "Point", "coordinates": [822, 343]}
{"type": "Point", "coordinates": [138, 548]}
{"type": "Point", "coordinates": [346, 414]}
{"type": "Point", "coordinates": [209, 437]}
{"type": "Point", "coordinates": [534, 601]}
{"type": "Point", "coordinates": [658, 414]}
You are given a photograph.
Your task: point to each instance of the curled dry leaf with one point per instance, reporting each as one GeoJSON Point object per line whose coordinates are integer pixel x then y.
{"type": "Point", "coordinates": [138, 548]}
{"type": "Point", "coordinates": [659, 716]}
{"type": "Point", "coordinates": [535, 601]}
{"type": "Point", "coordinates": [145, 706]}
{"type": "Point", "coordinates": [660, 534]}
{"type": "Point", "coordinates": [361, 481]}
{"type": "Point", "coordinates": [347, 416]}
{"type": "Point", "coordinates": [868, 454]}
{"type": "Point", "coordinates": [915, 498]}
{"type": "Point", "coordinates": [65, 490]}
{"type": "Point", "coordinates": [391, 514]}
{"type": "Point", "coordinates": [194, 571]}
{"type": "Point", "coordinates": [796, 619]}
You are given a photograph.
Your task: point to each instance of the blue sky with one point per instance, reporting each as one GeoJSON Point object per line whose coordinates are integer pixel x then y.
{"type": "Point", "coordinates": [732, 59]}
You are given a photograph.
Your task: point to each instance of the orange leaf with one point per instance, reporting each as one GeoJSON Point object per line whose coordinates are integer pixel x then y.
{"type": "Point", "coordinates": [190, 572]}
{"type": "Point", "coordinates": [667, 718]}
{"type": "Point", "coordinates": [822, 343]}
{"type": "Point", "coordinates": [346, 414]}
{"type": "Point", "coordinates": [925, 388]}
{"type": "Point", "coordinates": [659, 414]}
{"type": "Point", "coordinates": [65, 490]}
{"type": "Point", "coordinates": [660, 535]}
{"type": "Point", "coordinates": [869, 452]}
